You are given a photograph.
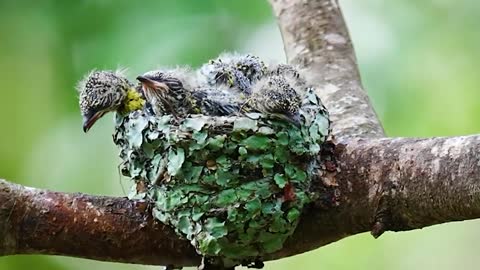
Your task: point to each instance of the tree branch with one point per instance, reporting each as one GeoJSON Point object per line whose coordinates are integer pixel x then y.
{"type": "Point", "coordinates": [366, 184]}
{"type": "Point", "coordinates": [35, 221]}
{"type": "Point", "coordinates": [316, 39]}
{"type": "Point", "coordinates": [405, 183]}
{"type": "Point", "coordinates": [395, 184]}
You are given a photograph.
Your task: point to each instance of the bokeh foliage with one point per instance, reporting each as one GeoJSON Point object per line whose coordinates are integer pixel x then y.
{"type": "Point", "coordinates": [418, 61]}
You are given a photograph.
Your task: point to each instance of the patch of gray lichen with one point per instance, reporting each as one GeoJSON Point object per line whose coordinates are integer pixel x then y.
{"type": "Point", "coordinates": [233, 186]}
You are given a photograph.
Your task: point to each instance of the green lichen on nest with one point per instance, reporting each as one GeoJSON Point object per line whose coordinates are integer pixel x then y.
{"type": "Point", "coordinates": [234, 186]}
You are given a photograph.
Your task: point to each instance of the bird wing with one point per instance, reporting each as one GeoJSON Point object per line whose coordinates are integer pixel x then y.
{"type": "Point", "coordinates": [215, 103]}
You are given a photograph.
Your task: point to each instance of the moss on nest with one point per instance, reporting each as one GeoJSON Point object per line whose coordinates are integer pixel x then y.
{"type": "Point", "coordinates": [234, 186]}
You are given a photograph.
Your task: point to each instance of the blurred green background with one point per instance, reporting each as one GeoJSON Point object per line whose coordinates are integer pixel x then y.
{"type": "Point", "coordinates": [418, 59]}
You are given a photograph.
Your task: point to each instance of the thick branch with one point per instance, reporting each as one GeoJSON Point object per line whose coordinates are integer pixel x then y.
{"type": "Point", "coordinates": [403, 183]}
{"type": "Point", "coordinates": [400, 183]}
{"type": "Point", "coordinates": [316, 38]}
{"type": "Point", "coordinates": [381, 184]}
{"type": "Point", "coordinates": [34, 221]}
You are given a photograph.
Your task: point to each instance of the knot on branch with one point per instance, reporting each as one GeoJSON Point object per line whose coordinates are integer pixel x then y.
{"type": "Point", "coordinates": [383, 217]}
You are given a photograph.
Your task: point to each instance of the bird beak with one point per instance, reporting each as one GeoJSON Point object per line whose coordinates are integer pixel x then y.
{"type": "Point", "coordinates": [89, 120]}
{"type": "Point", "coordinates": [150, 84]}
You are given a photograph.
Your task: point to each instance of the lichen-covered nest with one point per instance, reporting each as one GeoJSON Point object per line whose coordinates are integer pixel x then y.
{"type": "Point", "coordinates": [234, 186]}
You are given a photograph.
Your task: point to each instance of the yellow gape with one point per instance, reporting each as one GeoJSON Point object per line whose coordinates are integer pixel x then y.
{"type": "Point", "coordinates": [133, 101]}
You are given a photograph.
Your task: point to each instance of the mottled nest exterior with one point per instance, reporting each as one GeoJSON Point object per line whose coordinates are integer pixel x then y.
{"type": "Point", "coordinates": [233, 186]}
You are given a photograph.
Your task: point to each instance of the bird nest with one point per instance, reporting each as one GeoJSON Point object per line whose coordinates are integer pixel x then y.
{"type": "Point", "coordinates": [233, 186]}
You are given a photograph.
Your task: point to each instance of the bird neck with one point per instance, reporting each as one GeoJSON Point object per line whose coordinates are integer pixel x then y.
{"type": "Point", "coordinates": [190, 103]}
{"type": "Point", "coordinates": [133, 101]}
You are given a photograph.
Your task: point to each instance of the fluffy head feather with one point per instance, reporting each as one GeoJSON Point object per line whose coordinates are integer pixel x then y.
{"type": "Point", "coordinates": [101, 92]}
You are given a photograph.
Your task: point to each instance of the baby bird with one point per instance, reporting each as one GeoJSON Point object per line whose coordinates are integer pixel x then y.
{"type": "Point", "coordinates": [168, 91]}
{"type": "Point", "coordinates": [105, 91]}
{"type": "Point", "coordinates": [279, 93]}
{"type": "Point", "coordinates": [289, 72]}
{"type": "Point", "coordinates": [234, 70]}
{"type": "Point", "coordinates": [217, 101]}
{"type": "Point", "coordinates": [175, 92]}
{"type": "Point", "coordinates": [275, 96]}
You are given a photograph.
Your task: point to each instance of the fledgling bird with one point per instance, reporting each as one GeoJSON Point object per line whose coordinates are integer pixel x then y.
{"type": "Point", "coordinates": [105, 91]}
{"type": "Point", "coordinates": [177, 92]}
{"type": "Point", "coordinates": [277, 96]}
{"type": "Point", "coordinates": [290, 73]}
{"type": "Point", "coordinates": [217, 101]}
{"type": "Point", "coordinates": [168, 91]}
{"type": "Point", "coordinates": [234, 70]}
{"type": "Point", "coordinates": [280, 93]}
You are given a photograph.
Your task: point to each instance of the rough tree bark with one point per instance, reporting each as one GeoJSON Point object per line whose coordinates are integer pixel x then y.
{"type": "Point", "coordinates": [316, 39]}
{"type": "Point", "coordinates": [371, 183]}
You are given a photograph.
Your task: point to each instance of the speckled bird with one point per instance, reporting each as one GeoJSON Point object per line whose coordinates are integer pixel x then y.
{"type": "Point", "coordinates": [289, 72]}
{"type": "Point", "coordinates": [168, 91]}
{"type": "Point", "coordinates": [234, 70]}
{"type": "Point", "coordinates": [217, 101]}
{"type": "Point", "coordinates": [105, 91]}
{"type": "Point", "coordinates": [178, 93]}
{"type": "Point", "coordinates": [278, 96]}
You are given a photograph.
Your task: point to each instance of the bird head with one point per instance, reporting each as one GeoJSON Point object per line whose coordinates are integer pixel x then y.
{"type": "Point", "coordinates": [251, 66]}
{"type": "Point", "coordinates": [235, 70]}
{"type": "Point", "coordinates": [101, 92]}
{"type": "Point", "coordinates": [275, 96]}
{"type": "Point", "coordinates": [164, 88]}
